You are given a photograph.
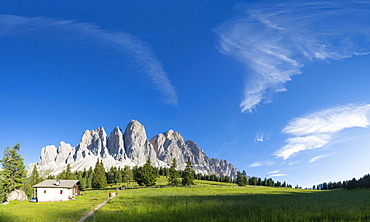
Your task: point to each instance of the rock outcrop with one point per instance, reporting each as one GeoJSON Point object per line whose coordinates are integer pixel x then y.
{"type": "Point", "coordinates": [130, 148]}
{"type": "Point", "coordinates": [16, 195]}
{"type": "Point", "coordinates": [116, 144]}
{"type": "Point", "coordinates": [138, 148]}
{"type": "Point", "coordinates": [171, 145]}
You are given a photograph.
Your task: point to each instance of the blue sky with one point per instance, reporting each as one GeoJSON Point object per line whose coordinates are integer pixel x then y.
{"type": "Point", "coordinates": [277, 88]}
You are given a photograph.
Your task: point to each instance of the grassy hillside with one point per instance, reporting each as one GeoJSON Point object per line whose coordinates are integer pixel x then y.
{"type": "Point", "coordinates": [211, 201]}
{"type": "Point", "coordinates": [52, 211]}
{"type": "Point", "coordinates": [236, 204]}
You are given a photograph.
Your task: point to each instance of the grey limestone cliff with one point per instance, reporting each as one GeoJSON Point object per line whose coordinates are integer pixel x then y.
{"type": "Point", "coordinates": [131, 148]}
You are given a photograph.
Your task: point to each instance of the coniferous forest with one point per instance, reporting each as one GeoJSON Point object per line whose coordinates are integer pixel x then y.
{"type": "Point", "coordinates": [13, 176]}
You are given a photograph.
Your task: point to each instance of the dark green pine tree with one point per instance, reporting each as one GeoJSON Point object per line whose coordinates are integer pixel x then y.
{"type": "Point", "coordinates": [82, 181]}
{"type": "Point", "coordinates": [99, 180]}
{"type": "Point", "coordinates": [2, 193]}
{"type": "Point", "coordinates": [259, 182]}
{"type": "Point", "coordinates": [270, 182]}
{"type": "Point", "coordinates": [188, 174]}
{"type": "Point", "coordinates": [35, 176]}
{"type": "Point", "coordinates": [119, 175]}
{"type": "Point", "coordinates": [146, 174]}
{"type": "Point", "coordinates": [241, 180]}
{"type": "Point", "coordinates": [67, 174]}
{"type": "Point", "coordinates": [253, 181]}
{"type": "Point", "coordinates": [127, 174]}
{"type": "Point", "coordinates": [173, 174]}
{"type": "Point", "coordinates": [89, 176]}
{"type": "Point", "coordinates": [13, 172]}
{"type": "Point", "coordinates": [111, 175]}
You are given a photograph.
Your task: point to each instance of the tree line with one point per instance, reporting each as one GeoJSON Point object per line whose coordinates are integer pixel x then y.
{"type": "Point", "coordinates": [363, 182]}
{"type": "Point", "coordinates": [242, 180]}
{"type": "Point", "coordinates": [13, 175]}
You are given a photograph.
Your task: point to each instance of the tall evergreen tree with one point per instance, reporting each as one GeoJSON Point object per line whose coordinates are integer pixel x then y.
{"type": "Point", "coordinates": [127, 174]}
{"type": "Point", "coordinates": [146, 174]}
{"type": "Point", "coordinates": [259, 181]}
{"type": "Point", "coordinates": [174, 175]}
{"type": "Point", "coordinates": [244, 173]}
{"type": "Point", "coordinates": [284, 184]}
{"type": "Point", "coordinates": [264, 182]}
{"type": "Point", "coordinates": [119, 175]}
{"type": "Point", "coordinates": [26, 187]}
{"type": "Point", "coordinates": [253, 181]}
{"type": "Point", "coordinates": [270, 182]}
{"type": "Point", "coordinates": [84, 173]}
{"type": "Point", "coordinates": [99, 180]}
{"type": "Point", "coordinates": [82, 181]}
{"type": "Point", "coordinates": [2, 193]}
{"type": "Point", "coordinates": [35, 176]}
{"type": "Point", "coordinates": [89, 176]}
{"type": "Point", "coordinates": [188, 174]}
{"type": "Point", "coordinates": [67, 174]}
{"type": "Point", "coordinates": [227, 179]}
{"type": "Point", "coordinates": [240, 179]}
{"type": "Point", "coordinates": [111, 175]}
{"type": "Point", "coordinates": [13, 172]}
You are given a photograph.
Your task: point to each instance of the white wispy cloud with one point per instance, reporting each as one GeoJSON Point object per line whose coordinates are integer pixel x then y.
{"type": "Point", "coordinates": [274, 41]}
{"type": "Point", "coordinates": [121, 41]}
{"type": "Point", "coordinates": [273, 172]}
{"type": "Point", "coordinates": [261, 137]}
{"type": "Point", "coordinates": [256, 164]}
{"type": "Point", "coordinates": [316, 158]}
{"type": "Point", "coordinates": [262, 163]}
{"type": "Point", "coordinates": [293, 163]}
{"type": "Point", "coordinates": [279, 175]}
{"type": "Point", "coordinates": [318, 129]}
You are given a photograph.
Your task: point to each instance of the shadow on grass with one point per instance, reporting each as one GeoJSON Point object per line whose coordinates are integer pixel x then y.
{"type": "Point", "coordinates": [290, 206]}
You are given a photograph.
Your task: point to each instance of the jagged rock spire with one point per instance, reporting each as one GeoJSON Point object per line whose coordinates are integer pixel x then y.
{"type": "Point", "coordinates": [131, 148]}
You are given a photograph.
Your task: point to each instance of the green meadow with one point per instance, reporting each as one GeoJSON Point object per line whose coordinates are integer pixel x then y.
{"type": "Point", "coordinates": [208, 201]}
{"type": "Point", "coordinates": [53, 211]}
{"type": "Point", "coordinates": [236, 204]}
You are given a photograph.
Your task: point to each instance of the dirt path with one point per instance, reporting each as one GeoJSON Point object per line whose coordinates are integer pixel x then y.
{"type": "Point", "coordinates": [88, 214]}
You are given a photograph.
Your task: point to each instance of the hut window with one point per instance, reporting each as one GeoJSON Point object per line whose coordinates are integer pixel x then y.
{"type": "Point", "coordinates": [61, 191]}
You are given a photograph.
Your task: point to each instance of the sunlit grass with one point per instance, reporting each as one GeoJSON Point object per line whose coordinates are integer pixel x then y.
{"type": "Point", "coordinates": [53, 211]}
{"type": "Point", "coordinates": [208, 201]}
{"type": "Point", "coordinates": [236, 204]}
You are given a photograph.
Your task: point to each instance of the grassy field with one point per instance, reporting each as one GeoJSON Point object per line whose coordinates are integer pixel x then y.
{"type": "Point", "coordinates": [52, 211]}
{"type": "Point", "coordinates": [237, 204]}
{"type": "Point", "coordinates": [209, 201]}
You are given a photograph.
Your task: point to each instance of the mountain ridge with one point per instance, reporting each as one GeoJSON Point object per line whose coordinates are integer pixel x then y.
{"type": "Point", "coordinates": [130, 148]}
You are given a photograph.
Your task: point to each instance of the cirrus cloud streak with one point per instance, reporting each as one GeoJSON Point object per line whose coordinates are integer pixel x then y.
{"type": "Point", "coordinates": [319, 128]}
{"type": "Point", "coordinates": [274, 41]}
{"type": "Point", "coordinates": [121, 41]}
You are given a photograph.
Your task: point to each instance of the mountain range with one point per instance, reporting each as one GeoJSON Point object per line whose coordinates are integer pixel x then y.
{"type": "Point", "coordinates": [131, 148]}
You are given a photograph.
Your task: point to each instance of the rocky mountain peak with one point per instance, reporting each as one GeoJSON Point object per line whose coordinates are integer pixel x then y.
{"type": "Point", "coordinates": [116, 144]}
{"type": "Point", "coordinates": [48, 155]}
{"type": "Point", "coordinates": [129, 149]}
{"type": "Point", "coordinates": [93, 142]}
{"type": "Point", "coordinates": [65, 153]}
{"type": "Point", "coordinates": [173, 135]}
{"type": "Point", "coordinates": [137, 146]}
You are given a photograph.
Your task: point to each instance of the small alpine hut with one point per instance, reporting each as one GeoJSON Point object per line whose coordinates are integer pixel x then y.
{"type": "Point", "coordinates": [56, 190]}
